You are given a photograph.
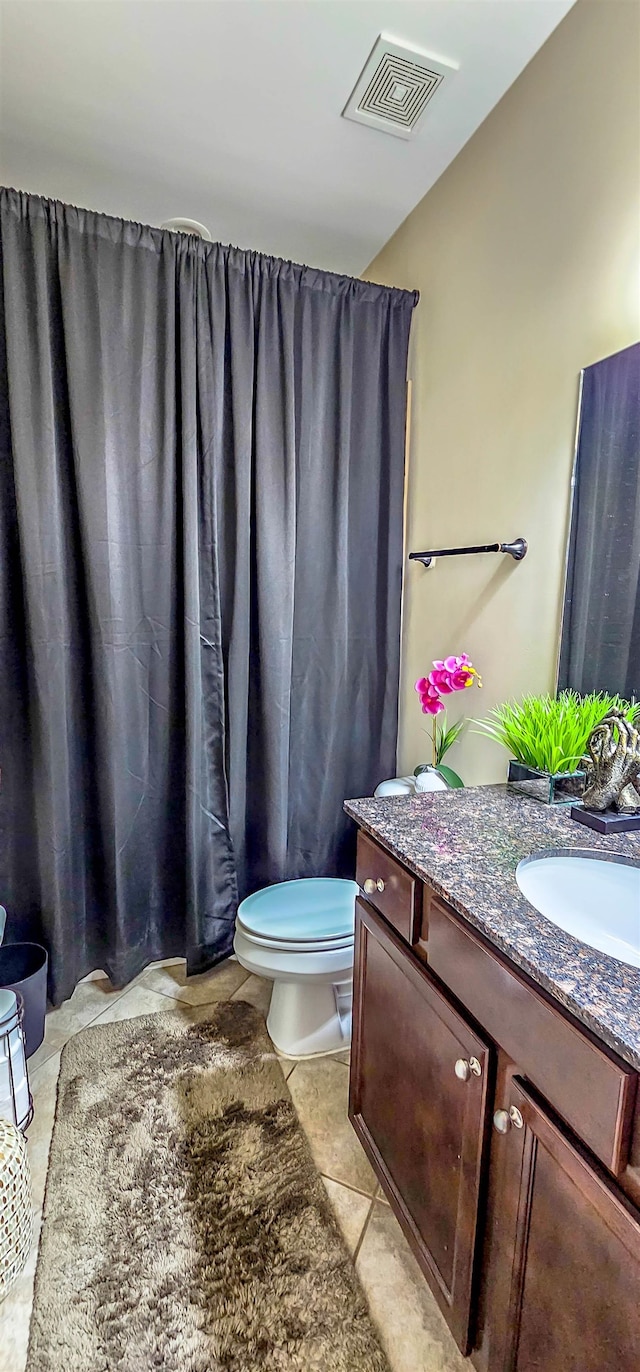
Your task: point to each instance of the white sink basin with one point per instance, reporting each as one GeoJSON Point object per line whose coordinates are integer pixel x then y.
{"type": "Point", "coordinates": [596, 900]}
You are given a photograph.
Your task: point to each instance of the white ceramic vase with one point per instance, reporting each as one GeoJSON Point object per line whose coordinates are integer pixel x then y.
{"type": "Point", "coordinates": [411, 786]}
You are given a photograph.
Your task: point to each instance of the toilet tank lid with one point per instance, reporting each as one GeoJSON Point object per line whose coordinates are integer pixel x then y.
{"type": "Point", "coordinates": [313, 908]}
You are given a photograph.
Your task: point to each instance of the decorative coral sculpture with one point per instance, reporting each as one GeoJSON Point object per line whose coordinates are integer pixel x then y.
{"type": "Point", "coordinates": [612, 766]}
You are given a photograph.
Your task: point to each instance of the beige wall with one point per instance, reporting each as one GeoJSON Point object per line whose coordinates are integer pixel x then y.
{"type": "Point", "coordinates": [527, 257]}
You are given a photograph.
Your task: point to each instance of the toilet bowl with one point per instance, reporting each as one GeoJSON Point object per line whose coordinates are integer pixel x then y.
{"type": "Point", "coordinates": [299, 934]}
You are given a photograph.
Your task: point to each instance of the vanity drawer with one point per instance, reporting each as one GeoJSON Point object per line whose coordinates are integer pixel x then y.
{"type": "Point", "coordinates": [588, 1085]}
{"type": "Point", "coordinates": [397, 894]}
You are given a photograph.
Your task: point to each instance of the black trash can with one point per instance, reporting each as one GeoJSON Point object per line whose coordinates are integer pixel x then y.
{"type": "Point", "coordinates": [23, 968]}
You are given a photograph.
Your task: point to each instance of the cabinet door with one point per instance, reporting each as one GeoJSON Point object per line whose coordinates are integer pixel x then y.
{"type": "Point", "coordinates": [418, 1101]}
{"type": "Point", "coordinates": [565, 1278]}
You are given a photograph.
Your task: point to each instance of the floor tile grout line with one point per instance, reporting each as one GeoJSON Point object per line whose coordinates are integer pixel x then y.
{"type": "Point", "coordinates": [367, 1195]}
{"type": "Point", "coordinates": [32, 1074]}
{"type": "Point", "coordinates": [33, 1077]}
{"type": "Point", "coordinates": [195, 1005]}
{"type": "Point", "coordinates": [115, 995]}
{"type": "Point", "coordinates": [191, 1004]}
{"type": "Point", "coordinates": [120, 996]}
{"type": "Point", "coordinates": [158, 991]}
{"type": "Point", "coordinates": [363, 1231]}
{"type": "Point", "coordinates": [129, 990]}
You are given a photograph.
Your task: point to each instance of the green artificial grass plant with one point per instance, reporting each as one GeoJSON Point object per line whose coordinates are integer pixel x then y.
{"type": "Point", "coordinates": [551, 732]}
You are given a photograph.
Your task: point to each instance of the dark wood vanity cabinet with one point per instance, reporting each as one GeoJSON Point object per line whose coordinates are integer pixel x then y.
{"type": "Point", "coordinates": [501, 1132]}
{"type": "Point", "coordinates": [565, 1287]}
{"type": "Point", "coordinates": [419, 1101]}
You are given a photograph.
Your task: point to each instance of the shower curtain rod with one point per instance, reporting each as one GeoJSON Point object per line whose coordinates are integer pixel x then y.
{"type": "Point", "coordinates": [517, 550]}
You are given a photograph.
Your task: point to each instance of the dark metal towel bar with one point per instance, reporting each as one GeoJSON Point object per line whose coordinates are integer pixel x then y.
{"type": "Point", "coordinates": [517, 550]}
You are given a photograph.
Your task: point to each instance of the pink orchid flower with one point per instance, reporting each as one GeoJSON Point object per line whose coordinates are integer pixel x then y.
{"type": "Point", "coordinates": [441, 679]}
{"type": "Point", "coordinates": [447, 675]}
{"type": "Point", "coordinates": [429, 697]}
{"type": "Point", "coordinates": [432, 705]}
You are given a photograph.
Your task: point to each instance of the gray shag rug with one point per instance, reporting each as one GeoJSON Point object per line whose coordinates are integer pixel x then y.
{"type": "Point", "coordinates": [186, 1228]}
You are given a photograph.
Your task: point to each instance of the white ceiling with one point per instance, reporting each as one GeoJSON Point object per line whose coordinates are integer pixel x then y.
{"type": "Point", "coordinates": [228, 111]}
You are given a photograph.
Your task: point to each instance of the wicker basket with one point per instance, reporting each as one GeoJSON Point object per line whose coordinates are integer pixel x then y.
{"type": "Point", "coordinates": [16, 1213]}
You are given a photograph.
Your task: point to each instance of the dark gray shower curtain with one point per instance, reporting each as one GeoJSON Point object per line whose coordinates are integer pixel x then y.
{"type": "Point", "coordinates": [201, 510]}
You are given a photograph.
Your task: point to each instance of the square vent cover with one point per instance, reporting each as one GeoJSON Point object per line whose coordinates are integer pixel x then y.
{"type": "Point", "coordinates": [395, 87]}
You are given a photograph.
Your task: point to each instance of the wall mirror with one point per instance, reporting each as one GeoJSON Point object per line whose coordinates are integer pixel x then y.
{"type": "Point", "coordinates": [600, 643]}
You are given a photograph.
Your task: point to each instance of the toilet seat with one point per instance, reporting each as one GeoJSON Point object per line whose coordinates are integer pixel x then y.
{"type": "Point", "coordinates": [305, 913]}
{"type": "Point", "coordinates": [294, 945]}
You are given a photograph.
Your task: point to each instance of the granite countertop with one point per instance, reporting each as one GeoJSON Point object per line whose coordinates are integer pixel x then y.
{"type": "Point", "coordinates": [467, 845]}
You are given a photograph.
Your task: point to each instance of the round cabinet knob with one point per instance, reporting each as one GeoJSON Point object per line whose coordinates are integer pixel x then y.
{"type": "Point", "coordinates": [371, 885]}
{"type": "Point", "coordinates": [465, 1069]}
{"type": "Point", "coordinates": [503, 1119]}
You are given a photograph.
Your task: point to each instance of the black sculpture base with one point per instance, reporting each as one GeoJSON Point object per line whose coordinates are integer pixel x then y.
{"type": "Point", "coordinates": [605, 821]}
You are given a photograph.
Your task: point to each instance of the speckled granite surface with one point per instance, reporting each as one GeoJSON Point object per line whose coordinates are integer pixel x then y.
{"type": "Point", "coordinates": [467, 844]}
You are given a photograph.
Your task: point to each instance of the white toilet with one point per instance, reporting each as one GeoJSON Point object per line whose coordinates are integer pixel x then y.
{"type": "Point", "coordinates": [300, 934]}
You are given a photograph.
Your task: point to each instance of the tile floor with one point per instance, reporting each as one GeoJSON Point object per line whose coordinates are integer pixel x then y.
{"type": "Point", "coordinates": [412, 1329]}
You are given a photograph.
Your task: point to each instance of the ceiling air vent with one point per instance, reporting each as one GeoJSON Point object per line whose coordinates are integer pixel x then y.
{"type": "Point", "coordinates": [395, 87]}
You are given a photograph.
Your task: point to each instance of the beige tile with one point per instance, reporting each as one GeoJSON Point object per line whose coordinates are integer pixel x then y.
{"type": "Point", "coordinates": [138, 1000]}
{"type": "Point", "coordinates": [330, 1057]}
{"type": "Point", "coordinates": [15, 1314]}
{"type": "Point", "coordinates": [99, 975]}
{"type": "Point", "coordinates": [171, 979]}
{"type": "Point", "coordinates": [411, 1327]}
{"type": "Point", "coordinates": [320, 1090]}
{"type": "Point", "coordinates": [164, 962]}
{"type": "Point", "coordinates": [44, 1086]}
{"type": "Point", "coordinates": [350, 1209]}
{"type": "Point", "coordinates": [41, 1079]}
{"type": "Point", "coordinates": [257, 990]}
{"type": "Point", "coordinates": [47, 1049]}
{"type": "Point", "coordinates": [380, 1196]}
{"type": "Point", "coordinates": [89, 1000]}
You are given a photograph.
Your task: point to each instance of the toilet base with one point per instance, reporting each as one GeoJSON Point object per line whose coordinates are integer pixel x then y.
{"type": "Point", "coordinates": [309, 1020]}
